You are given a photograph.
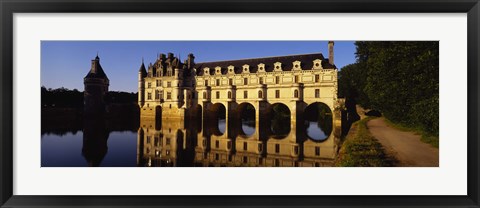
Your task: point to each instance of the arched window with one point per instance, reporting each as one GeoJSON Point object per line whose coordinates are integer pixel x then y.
{"type": "Point", "coordinates": [229, 95]}
{"type": "Point", "coordinates": [260, 94]}
{"type": "Point", "coordinates": [295, 93]}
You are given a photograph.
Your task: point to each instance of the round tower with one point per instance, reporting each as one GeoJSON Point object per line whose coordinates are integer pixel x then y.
{"type": "Point", "coordinates": [96, 87]}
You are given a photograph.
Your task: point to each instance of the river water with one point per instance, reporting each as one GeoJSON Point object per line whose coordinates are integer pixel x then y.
{"type": "Point", "coordinates": [171, 143]}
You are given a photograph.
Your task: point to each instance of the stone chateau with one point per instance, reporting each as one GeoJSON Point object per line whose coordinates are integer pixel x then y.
{"type": "Point", "coordinates": [174, 89]}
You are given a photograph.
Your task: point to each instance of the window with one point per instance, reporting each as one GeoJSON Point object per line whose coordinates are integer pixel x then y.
{"type": "Point", "coordinates": [261, 80]}
{"type": "Point", "coordinates": [206, 82]}
{"type": "Point", "coordinates": [167, 141]}
{"type": "Point", "coordinates": [148, 139]}
{"type": "Point", "coordinates": [149, 85]}
{"type": "Point", "coordinates": [295, 93]}
{"type": "Point", "coordinates": [277, 93]}
{"type": "Point", "coordinates": [317, 78]}
{"type": "Point", "coordinates": [277, 148]}
{"type": "Point", "coordinates": [295, 150]}
{"type": "Point", "coordinates": [169, 84]}
{"type": "Point", "coordinates": [218, 94]}
{"type": "Point", "coordinates": [317, 151]}
{"type": "Point", "coordinates": [161, 94]}
{"type": "Point", "coordinates": [217, 144]}
{"type": "Point", "coordinates": [169, 95]}
{"type": "Point", "coordinates": [277, 80]}
{"type": "Point", "coordinates": [229, 95]}
{"type": "Point", "coordinates": [244, 146]}
{"type": "Point", "coordinates": [245, 159]}
{"type": "Point", "coordinates": [159, 83]}
{"type": "Point", "coordinates": [156, 141]}
{"type": "Point", "coordinates": [245, 94]}
{"type": "Point", "coordinates": [167, 152]}
{"type": "Point", "coordinates": [260, 147]}
{"type": "Point", "coordinates": [230, 81]}
{"type": "Point", "coordinates": [229, 145]}
{"type": "Point", "coordinates": [218, 82]}
{"type": "Point", "coordinates": [217, 157]}
{"type": "Point", "coordinates": [245, 81]}
{"type": "Point", "coordinates": [296, 79]}
{"type": "Point", "coordinates": [204, 95]}
{"type": "Point", "coordinates": [157, 95]}
{"type": "Point", "coordinates": [260, 94]}
{"type": "Point", "coordinates": [317, 93]}
{"type": "Point", "coordinates": [276, 163]}
{"type": "Point", "coordinates": [149, 96]}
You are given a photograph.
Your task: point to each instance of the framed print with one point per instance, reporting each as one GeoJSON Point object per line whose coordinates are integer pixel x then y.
{"type": "Point", "coordinates": [266, 103]}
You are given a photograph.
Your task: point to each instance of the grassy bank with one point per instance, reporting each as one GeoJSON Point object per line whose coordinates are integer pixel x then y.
{"type": "Point", "coordinates": [426, 137]}
{"type": "Point", "coordinates": [361, 149]}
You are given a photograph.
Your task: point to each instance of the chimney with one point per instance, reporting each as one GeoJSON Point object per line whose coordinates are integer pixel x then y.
{"type": "Point", "coordinates": [330, 52]}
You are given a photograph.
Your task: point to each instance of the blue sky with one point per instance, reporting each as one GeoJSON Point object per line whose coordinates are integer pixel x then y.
{"type": "Point", "coordinates": [65, 63]}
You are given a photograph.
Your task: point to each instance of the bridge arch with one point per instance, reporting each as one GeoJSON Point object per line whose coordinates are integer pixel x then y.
{"type": "Point", "coordinates": [247, 118]}
{"type": "Point", "coordinates": [279, 119]}
{"type": "Point", "coordinates": [218, 113]}
{"type": "Point", "coordinates": [318, 121]}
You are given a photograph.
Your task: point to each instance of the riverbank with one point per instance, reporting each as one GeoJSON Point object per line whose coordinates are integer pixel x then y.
{"type": "Point", "coordinates": [60, 120]}
{"type": "Point", "coordinates": [361, 149]}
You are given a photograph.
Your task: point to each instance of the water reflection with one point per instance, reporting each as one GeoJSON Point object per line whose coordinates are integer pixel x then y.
{"type": "Point", "coordinates": [181, 143]}
{"type": "Point", "coordinates": [191, 143]}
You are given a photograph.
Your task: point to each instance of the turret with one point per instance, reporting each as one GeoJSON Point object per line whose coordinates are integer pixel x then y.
{"type": "Point", "coordinates": [96, 86]}
{"type": "Point", "coordinates": [142, 73]}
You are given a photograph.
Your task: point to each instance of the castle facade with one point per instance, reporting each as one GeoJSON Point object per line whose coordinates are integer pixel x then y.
{"type": "Point", "coordinates": [177, 89]}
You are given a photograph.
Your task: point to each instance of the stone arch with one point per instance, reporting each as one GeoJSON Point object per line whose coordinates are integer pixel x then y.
{"type": "Point", "coordinates": [247, 116]}
{"type": "Point", "coordinates": [279, 119]}
{"type": "Point", "coordinates": [218, 113]}
{"type": "Point", "coordinates": [318, 121]}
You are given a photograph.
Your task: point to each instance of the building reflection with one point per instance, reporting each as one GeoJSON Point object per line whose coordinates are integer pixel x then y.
{"type": "Point", "coordinates": [95, 137]}
{"type": "Point", "coordinates": [197, 143]}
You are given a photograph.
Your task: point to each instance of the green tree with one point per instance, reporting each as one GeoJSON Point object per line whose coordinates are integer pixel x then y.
{"type": "Point", "coordinates": [402, 80]}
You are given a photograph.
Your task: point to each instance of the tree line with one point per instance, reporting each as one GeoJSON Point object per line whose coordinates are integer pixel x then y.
{"type": "Point", "coordinates": [66, 98]}
{"type": "Point", "coordinates": [398, 78]}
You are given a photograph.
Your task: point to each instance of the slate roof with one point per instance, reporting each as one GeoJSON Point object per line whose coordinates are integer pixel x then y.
{"type": "Point", "coordinates": [143, 70]}
{"type": "Point", "coordinates": [287, 63]}
{"type": "Point", "coordinates": [96, 71]}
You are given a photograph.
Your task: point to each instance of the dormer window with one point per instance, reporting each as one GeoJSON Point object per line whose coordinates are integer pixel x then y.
{"type": "Point", "coordinates": [317, 64]}
{"type": "Point", "coordinates": [218, 70]}
{"type": "Point", "coordinates": [246, 68]}
{"type": "Point", "coordinates": [277, 66]}
{"type": "Point", "coordinates": [206, 71]}
{"type": "Point", "coordinates": [261, 67]}
{"type": "Point", "coordinates": [231, 69]}
{"type": "Point", "coordinates": [297, 65]}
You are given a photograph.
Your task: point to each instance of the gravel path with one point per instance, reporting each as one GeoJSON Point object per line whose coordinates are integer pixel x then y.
{"type": "Point", "coordinates": [406, 147]}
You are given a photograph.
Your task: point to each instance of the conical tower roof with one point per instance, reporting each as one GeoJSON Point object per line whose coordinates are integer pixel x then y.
{"type": "Point", "coordinates": [96, 70]}
{"type": "Point", "coordinates": [142, 69]}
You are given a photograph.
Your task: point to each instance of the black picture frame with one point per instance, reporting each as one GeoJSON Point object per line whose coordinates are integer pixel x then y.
{"type": "Point", "coordinates": [9, 7]}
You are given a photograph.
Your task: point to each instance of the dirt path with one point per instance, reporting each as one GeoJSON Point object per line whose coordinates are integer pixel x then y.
{"type": "Point", "coordinates": [406, 147]}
